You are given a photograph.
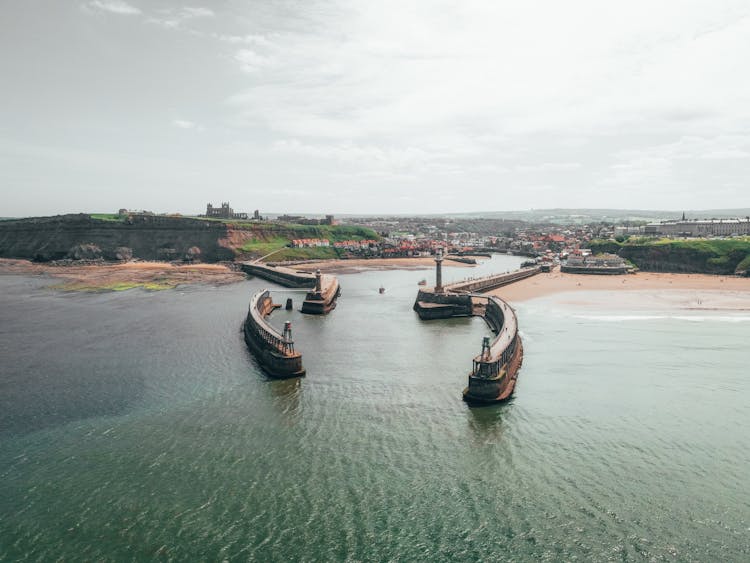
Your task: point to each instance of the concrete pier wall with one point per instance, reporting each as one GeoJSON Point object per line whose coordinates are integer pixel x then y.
{"type": "Point", "coordinates": [280, 275]}
{"type": "Point", "coordinates": [494, 372]}
{"type": "Point", "coordinates": [274, 353]}
{"type": "Point", "coordinates": [494, 281]}
{"type": "Point", "coordinates": [493, 375]}
{"type": "Point", "coordinates": [320, 301]}
{"type": "Point", "coordinates": [430, 305]}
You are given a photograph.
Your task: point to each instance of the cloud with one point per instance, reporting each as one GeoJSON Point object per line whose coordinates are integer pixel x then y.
{"type": "Point", "coordinates": [251, 61]}
{"type": "Point", "coordinates": [175, 18]}
{"type": "Point", "coordinates": [183, 124]}
{"type": "Point", "coordinates": [188, 12]}
{"type": "Point", "coordinates": [115, 7]}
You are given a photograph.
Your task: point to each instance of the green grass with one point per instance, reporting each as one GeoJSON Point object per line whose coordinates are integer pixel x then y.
{"type": "Point", "coordinates": [704, 255]}
{"type": "Point", "coordinates": [319, 253]}
{"type": "Point", "coordinates": [269, 237]}
{"type": "Point", "coordinates": [114, 286]}
{"type": "Point", "coordinates": [744, 265]}
{"type": "Point", "coordinates": [108, 217]}
{"type": "Point", "coordinates": [716, 246]}
{"type": "Point", "coordinates": [262, 247]}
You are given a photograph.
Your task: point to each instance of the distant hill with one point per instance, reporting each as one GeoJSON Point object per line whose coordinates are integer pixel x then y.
{"type": "Point", "coordinates": [559, 215]}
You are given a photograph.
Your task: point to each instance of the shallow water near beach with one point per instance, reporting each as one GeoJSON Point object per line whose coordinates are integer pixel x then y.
{"type": "Point", "coordinates": [136, 426]}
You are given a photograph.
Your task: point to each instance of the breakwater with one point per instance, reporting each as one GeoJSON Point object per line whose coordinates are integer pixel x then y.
{"type": "Point", "coordinates": [494, 372]}
{"type": "Point", "coordinates": [495, 369]}
{"type": "Point", "coordinates": [493, 281]}
{"type": "Point", "coordinates": [274, 351]}
{"type": "Point", "coordinates": [325, 288]}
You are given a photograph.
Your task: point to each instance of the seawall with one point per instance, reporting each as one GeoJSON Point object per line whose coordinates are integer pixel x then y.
{"type": "Point", "coordinates": [274, 352]}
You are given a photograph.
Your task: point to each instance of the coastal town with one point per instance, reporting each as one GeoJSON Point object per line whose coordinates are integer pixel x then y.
{"type": "Point", "coordinates": [221, 234]}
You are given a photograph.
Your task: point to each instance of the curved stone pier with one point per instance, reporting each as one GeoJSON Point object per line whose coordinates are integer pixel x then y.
{"type": "Point", "coordinates": [494, 372]}
{"type": "Point", "coordinates": [274, 351]}
{"type": "Point", "coordinates": [495, 369]}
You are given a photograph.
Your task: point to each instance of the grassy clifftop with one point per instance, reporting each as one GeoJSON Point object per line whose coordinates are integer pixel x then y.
{"type": "Point", "coordinates": [710, 256]}
{"type": "Point", "coordinates": [259, 239]}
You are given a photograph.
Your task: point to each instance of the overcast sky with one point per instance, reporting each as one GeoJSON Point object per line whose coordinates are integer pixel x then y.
{"type": "Point", "coordinates": [373, 106]}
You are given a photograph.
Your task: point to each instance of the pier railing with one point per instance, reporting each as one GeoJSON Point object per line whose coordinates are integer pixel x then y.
{"type": "Point", "coordinates": [489, 364]}
{"type": "Point", "coordinates": [260, 306]}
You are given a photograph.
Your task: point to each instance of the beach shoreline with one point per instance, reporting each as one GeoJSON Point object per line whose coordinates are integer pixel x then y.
{"type": "Point", "coordinates": [646, 290]}
{"type": "Point", "coordinates": [122, 276]}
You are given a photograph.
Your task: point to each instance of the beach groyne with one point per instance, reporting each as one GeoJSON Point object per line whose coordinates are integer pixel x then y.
{"type": "Point", "coordinates": [273, 350]}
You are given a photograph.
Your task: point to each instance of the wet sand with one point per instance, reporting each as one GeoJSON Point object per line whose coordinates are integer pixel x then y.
{"type": "Point", "coordinates": [642, 290]}
{"type": "Point", "coordinates": [127, 275]}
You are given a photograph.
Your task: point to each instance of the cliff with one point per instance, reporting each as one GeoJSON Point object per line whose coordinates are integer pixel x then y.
{"type": "Point", "coordinates": [81, 236]}
{"type": "Point", "coordinates": [160, 237]}
{"type": "Point", "coordinates": [707, 256]}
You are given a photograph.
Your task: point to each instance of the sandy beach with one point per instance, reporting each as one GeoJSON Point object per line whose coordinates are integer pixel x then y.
{"type": "Point", "coordinates": [641, 290]}
{"type": "Point", "coordinates": [127, 275]}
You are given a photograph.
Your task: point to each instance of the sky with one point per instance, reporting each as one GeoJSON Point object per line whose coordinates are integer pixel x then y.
{"type": "Point", "coordinates": [365, 106]}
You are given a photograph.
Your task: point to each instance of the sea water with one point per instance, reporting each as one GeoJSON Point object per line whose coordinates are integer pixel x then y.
{"type": "Point", "coordinates": [137, 426]}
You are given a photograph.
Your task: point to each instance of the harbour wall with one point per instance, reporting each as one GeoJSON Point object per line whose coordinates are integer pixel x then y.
{"type": "Point", "coordinates": [491, 282]}
{"type": "Point", "coordinates": [325, 288]}
{"type": "Point", "coordinates": [274, 353]}
{"type": "Point", "coordinates": [280, 275]}
{"type": "Point", "coordinates": [430, 305]}
{"type": "Point", "coordinates": [494, 372]}
{"type": "Point", "coordinates": [322, 299]}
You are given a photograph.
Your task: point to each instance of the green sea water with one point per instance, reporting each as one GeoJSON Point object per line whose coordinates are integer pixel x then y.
{"type": "Point", "coordinates": [136, 426]}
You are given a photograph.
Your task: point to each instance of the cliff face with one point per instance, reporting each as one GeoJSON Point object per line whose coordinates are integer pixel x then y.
{"type": "Point", "coordinates": [708, 257]}
{"type": "Point", "coordinates": [142, 236]}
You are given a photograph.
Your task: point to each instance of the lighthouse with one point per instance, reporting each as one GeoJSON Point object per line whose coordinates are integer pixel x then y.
{"type": "Point", "coordinates": [439, 271]}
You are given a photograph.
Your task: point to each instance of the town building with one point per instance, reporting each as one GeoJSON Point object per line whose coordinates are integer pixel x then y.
{"type": "Point", "coordinates": [700, 227]}
{"type": "Point", "coordinates": [601, 264]}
